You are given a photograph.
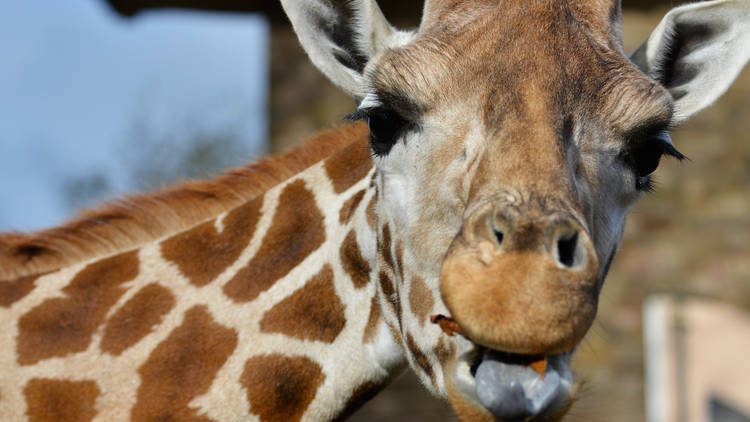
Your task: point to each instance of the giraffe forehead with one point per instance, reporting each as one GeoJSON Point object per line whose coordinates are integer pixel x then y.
{"type": "Point", "coordinates": [515, 58]}
{"type": "Point", "coordinates": [600, 14]}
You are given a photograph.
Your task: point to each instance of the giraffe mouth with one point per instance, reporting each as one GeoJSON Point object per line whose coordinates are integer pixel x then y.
{"type": "Point", "coordinates": [511, 387]}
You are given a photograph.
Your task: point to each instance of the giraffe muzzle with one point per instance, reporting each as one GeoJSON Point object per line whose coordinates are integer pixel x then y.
{"type": "Point", "coordinates": [521, 287]}
{"type": "Point", "coordinates": [524, 285]}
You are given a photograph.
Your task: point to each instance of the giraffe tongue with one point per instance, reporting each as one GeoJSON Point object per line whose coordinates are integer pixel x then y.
{"type": "Point", "coordinates": [512, 390]}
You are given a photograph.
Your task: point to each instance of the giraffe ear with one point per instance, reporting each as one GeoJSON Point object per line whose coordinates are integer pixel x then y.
{"type": "Point", "coordinates": [341, 36]}
{"type": "Point", "coordinates": [697, 51]}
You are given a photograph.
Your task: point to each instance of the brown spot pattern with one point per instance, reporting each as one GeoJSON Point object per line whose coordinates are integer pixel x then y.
{"type": "Point", "coordinates": [350, 207]}
{"type": "Point", "coordinates": [400, 260]}
{"type": "Point", "coordinates": [202, 253]}
{"type": "Point", "coordinates": [280, 388]}
{"type": "Point", "coordinates": [444, 351]}
{"type": "Point", "coordinates": [419, 357]}
{"type": "Point", "coordinates": [370, 212]}
{"type": "Point", "coordinates": [314, 312]}
{"type": "Point", "coordinates": [136, 318]}
{"type": "Point", "coordinates": [353, 262]}
{"type": "Point", "coordinates": [296, 231]}
{"type": "Point", "coordinates": [349, 166]}
{"type": "Point", "coordinates": [385, 246]}
{"type": "Point", "coordinates": [386, 284]}
{"type": "Point", "coordinates": [372, 321]}
{"type": "Point", "coordinates": [15, 290]}
{"type": "Point", "coordinates": [60, 326]}
{"type": "Point", "coordinates": [359, 396]}
{"type": "Point", "coordinates": [420, 299]}
{"type": "Point", "coordinates": [182, 367]}
{"type": "Point", "coordinates": [50, 400]}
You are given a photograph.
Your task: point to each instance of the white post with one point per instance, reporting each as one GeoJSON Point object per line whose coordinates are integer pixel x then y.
{"type": "Point", "coordinates": [656, 342]}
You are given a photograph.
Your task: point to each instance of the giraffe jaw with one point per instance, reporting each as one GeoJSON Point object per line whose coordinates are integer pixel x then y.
{"type": "Point", "coordinates": [511, 391]}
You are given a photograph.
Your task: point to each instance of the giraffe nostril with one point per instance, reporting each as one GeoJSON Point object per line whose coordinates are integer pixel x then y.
{"type": "Point", "coordinates": [499, 236]}
{"type": "Point", "coordinates": [567, 247]}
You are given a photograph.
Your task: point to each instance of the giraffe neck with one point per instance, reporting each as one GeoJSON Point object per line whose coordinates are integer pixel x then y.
{"type": "Point", "coordinates": [269, 309]}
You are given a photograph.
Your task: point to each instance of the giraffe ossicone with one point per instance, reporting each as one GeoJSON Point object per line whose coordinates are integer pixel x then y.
{"type": "Point", "coordinates": [465, 230]}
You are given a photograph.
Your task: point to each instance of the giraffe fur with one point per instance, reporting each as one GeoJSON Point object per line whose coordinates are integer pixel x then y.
{"type": "Point", "coordinates": [117, 337]}
{"type": "Point", "coordinates": [504, 144]}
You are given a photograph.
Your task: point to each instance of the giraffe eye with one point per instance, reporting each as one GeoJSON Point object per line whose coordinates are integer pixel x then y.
{"type": "Point", "coordinates": [646, 156]}
{"type": "Point", "coordinates": [643, 156]}
{"type": "Point", "coordinates": [385, 128]}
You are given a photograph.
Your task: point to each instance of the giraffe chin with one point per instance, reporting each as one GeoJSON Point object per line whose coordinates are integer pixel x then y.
{"type": "Point", "coordinates": [508, 390]}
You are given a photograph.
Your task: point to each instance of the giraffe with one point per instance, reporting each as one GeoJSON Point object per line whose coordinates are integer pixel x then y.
{"type": "Point", "coordinates": [462, 225]}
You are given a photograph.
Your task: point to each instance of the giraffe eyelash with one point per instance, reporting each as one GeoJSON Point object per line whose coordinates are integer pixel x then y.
{"type": "Point", "coordinates": [367, 106]}
{"type": "Point", "coordinates": [646, 184]}
{"type": "Point", "coordinates": [359, 114]}
{"type": "Point", "coordinates": [386, 127]}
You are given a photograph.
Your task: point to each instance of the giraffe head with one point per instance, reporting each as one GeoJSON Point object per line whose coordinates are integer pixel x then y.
{"type": "Point", "coordinates": [510, 139]}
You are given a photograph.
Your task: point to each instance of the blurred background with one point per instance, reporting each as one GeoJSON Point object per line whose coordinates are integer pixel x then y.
{"type": "Point", "coordinates": [99, 98]}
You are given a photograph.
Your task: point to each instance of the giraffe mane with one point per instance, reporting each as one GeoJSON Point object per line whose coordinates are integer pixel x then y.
{"type": "Point", "coordinates": [129, 222]}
